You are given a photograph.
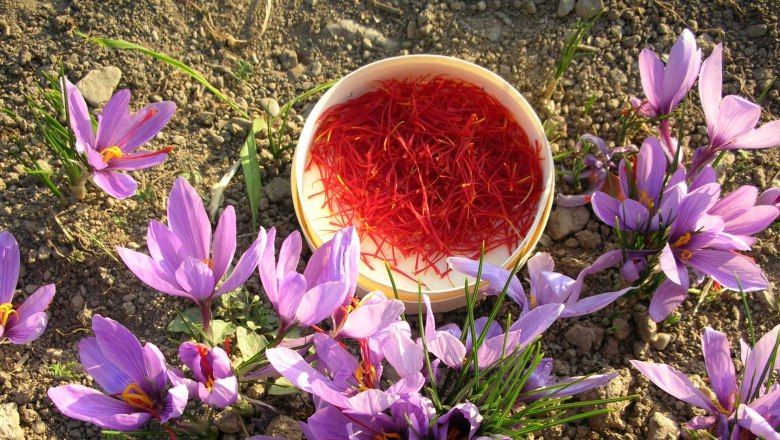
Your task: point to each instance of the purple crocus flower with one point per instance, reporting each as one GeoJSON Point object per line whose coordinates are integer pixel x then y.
{"type": "Point", "coordinates": [746, 405]}
{"type": "Point", "coordinates": [547, 287]}
{"type": "Point", "coordinates": [119, 135]}
{"type": "Point", "coordinates": [461, 422]}
{"type": "Point", "coordinates": [445, 343]}
{"type": "Point", "coordinates": [134, 380]}
{"type": "Point", "coordinates": [329, 422]}
{"type": "Point", "coordinates": [647, 205]}
{"type": "Point", "coordinates": [595, 173]}
{"type": "Point", "coordinates": [25, 322]}
{"type": "Point", "coordinates": [327, 284]}
{"type": "Point", "coordinates": [770, 197]}
{"type": "Point", "coordinates": [731, 121]}
{"type": "Point", "coordinates": [665, 86]}
{"type": "Point", "coordinates": [541, 383]}
{"type": "Point", "coordinates": [215, 383]}
{"type": "Point", "coordinates": [184, 260]}
{"type": "Point", "coordinates": [696, 239]}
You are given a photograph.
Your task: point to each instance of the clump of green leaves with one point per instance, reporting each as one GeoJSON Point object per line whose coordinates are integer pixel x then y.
{"type": "Point", "coordinates": [571, 50]}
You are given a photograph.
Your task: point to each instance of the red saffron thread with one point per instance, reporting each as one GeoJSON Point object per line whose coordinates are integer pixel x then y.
{"type": "Point", "coordinates": [432, 167]}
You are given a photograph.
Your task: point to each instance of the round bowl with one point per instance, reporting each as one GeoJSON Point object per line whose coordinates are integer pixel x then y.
{"type": "Point", "coordinates": [445, 293]}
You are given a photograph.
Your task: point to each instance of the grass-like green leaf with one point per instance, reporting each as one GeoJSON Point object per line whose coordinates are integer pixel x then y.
{"type": "Point", "coordinates": [251, 169]}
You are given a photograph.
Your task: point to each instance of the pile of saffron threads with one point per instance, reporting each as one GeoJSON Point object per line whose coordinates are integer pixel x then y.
{"type": "Point", "coordinates": [429, 168]}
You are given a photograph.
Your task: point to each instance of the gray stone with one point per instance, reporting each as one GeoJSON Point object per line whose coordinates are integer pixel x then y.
{"type": "Point", "coordinates": [565, 221]}
{"type": "Point", "coordinates": [564, 7]}
{"type": "Point", "coordinates": [617, 77]}
{"type": "Point", "coordinates": [353, 31]}
{"type": "Point", "coordinates": [229, 421]}
{"type": "Point", "coordinates": [661, 427]}
{"type": "Point", "coordinates": [584, 338]}
{"type": "Point", "coordinates": [661, 341]}
{"type": "Point", "coordinates": [588, 239]}
{"type": "Point", "coordinates": [632, 41]}
{"type": "Point", "coordinates": [530, 8]}
{"type": "Point", "coordinates": [270, 106]}
{"type": "Point", "coordinates": [9, 422]}
{"type": "Point", "coordinates": [76, 302]}
{"type": "Point", "coordinates": [99, 84]}
{"type": "Point", "coordinates": [288, 59]}
{"type": "Point", "coordinates": [588, 8]}
{"type": "Point", "coordinates": [278, 189]}
{"type": "Point", "coordinates": [25, 56]}
{"type": "Point", "coordinates": [648, 329]}
{"type": "Point", "coordinates": [756, 30]}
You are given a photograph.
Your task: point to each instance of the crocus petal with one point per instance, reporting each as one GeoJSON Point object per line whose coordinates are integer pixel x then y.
{"type": "Point", "coordinates": [95, 159]}
{"type": "Point", "coordinates": [551, 287]}
{"type": "Point", "coordinates": [245, 267]}
{"type": "Point", "coordinates": [89, 405]}
{"type": "Point", "coordinates": [320, 302]}
{"type": "Point", "coordinates": [175, 402]}
{"type": "Point", "coordinates": [535, 322]}
{"type": "Point", "coordinates": [112, 379]}
{"type": "Point", "coordinates": [651, 71]}
{"type": "Point", "coordinates": [720, 367]}
{"type": "Point", "coordinates": [289, 254]}
{"type": "Point", "coordinates": [750, 419]}
{"type": "Point", "coordinates": [592, 304]}
{"type": "Point", "coordinates": [150, 273]}
{"type": "Point", "coordinates": [367, 319]}
{"type": "Point", "coordinates": [770, 197]}
{"type": "Point", "coordinates": [9, 266]}
{"type": "Point", "coordinates": [114, 121]}
{"type": "Point", "coordinates": [634, 216]}
{"type": "Point", "coordinates": [117, 185]}
{"type": "Point", "coordinates": [494, 349]}
{"type": "Point", "coordinates": [147, 122]}
{"type": "Point", "coordinates": [189, 354]}
{"type": "Point", "coordinates": [293, 367]}
{"type": "Point", "coordinates": [223, 393]}
{"type": "Point", "coordinates": [196, 278]}
{"type": "Point", "coordinates": [188, 220]}
{"type": "Point", "coordinates": [340, 364]}
{"type": "Point", "coordinates": [681, 70]}
{"type": "Point", "coordinates": [121, 348]}
{"type": "Point", "coordinates": [731, 269]}
{"type": "Point", "coordinates": [737, 116]}
{"type": "Point", "coordinates": [579, 384]}
{"type": "Point", "coordinates": [156, 368]}
{"type": "Point", "coordinates": [224, 243]}
{"type": "Point", "coordinates": [606, 208]}
{"type": "Point", "coordinates": [767, 135]}
{"type": "Point", "coordinates": [165, 248]}
{"type": "Point", "coordinates": [137, 161]}
{"type": "Point", "coordinates": [704, 177]}
{"type": "Point", "coordinates": [30, 320]}
{"type": "Point", "coordinates": [710, 86]}
{"type": "Point", "coordinates": [692, 208]}
{"type": "Point", "coordinates": [448, 348]}
{"type": "Point", "coordinates": [701, 422]}
{"type": "Point", "coordinates": [650, 170]}
{"type": "Point", "coordinates": [735, 203]}
{"type": "Point", "coordinates": [371, 401]}
{"type": "Point", "coordinates": [27, 329]}
{"type": "Point", "coordinates": [540, 262]}
{"type": "Point", "coordinates": [756, 362]}
{"type": "Point", "coordinates": [674, 383]}
{"type": "Point", "coordinates": [80, 122]}
{"type": "Point", "coordinates": [674, 271]}
{"type": "Point", "coordinates": [496, 277]}
{"type": "Point", "coordinates": [755, 220]}
{"type": "Point", "coordinates": [291, 292]}
{"type": "Point", "coordinates": [267, 266]}
{"type": "Point", "coordinates": [667, 297]}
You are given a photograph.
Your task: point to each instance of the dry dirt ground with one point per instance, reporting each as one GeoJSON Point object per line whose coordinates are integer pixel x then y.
{"type": "Point", "coordinates": [308, 42]}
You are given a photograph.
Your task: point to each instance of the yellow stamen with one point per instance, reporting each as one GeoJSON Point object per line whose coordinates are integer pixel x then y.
{"type": "Point", "coordinates": [645, 200]}
{"type": "Point", "coordinates": [682, 241]}
{"type": "Point", "coordinates": [364, 377]}
{"type": "Point", "coordinates": [532, 301]}
{"type": "Point", "coordinates": [6, 310]}
{"type": "Point", "coordinates": [135, 396]}
{"type": "Point", "coordinates": [386, 436]}
{"type": "Point", "coordinates": [209, 262]}
{"type": "Point", "coordinates": [111, 153]}
{"type": "Point", "coordinates": [686, 254]}
{"type": "Point", "coordinates": [210, 383]}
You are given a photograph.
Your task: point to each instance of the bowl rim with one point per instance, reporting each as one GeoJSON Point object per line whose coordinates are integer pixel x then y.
{"type": "Point", "coordinates": [451, 297]}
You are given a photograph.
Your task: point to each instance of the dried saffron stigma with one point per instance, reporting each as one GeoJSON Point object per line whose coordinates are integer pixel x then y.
{"type": "Point", "coordinates": [428, 168]}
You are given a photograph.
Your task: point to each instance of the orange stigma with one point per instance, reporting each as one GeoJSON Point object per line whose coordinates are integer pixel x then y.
{"type": "Point", "coordinates": [135, 396]}
{"type": "Point", "coordinates": [111, 153]}
{"type": "Point", "coordinates": [209, 262]}
{"type": "Point", "coordinates": [532, 301]}
{"type": "Point", "coordinates": [6, 310]}
{"type": "Point", "coordinates": [645, 200]}
{"type": "Point", "coordinates": [682, 241]}
{"type": "Point", "coordinates": [686, 254]}
{"type": "Point", "coordinates": [387, 436]}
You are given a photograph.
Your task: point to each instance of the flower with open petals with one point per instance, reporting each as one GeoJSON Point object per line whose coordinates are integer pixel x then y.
{"type": "Point", "coordinates": [184, 260]}
{"type": "Point", "coordinates": [731, 120]}
{"type": "Point", "coordinates": [215, 383]}
{"type": "Point", "coordinates": [134, 379]}
{"type": "Point", "coordinates": [748, 405]}
{"type": "Point", "coordinates": [119, 135]}
{"type": "Point", "coordinates": [25, 322]}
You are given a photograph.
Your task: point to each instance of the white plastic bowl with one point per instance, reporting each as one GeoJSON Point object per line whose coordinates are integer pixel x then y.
{"type": "Point", "coordinates": [446, 294]}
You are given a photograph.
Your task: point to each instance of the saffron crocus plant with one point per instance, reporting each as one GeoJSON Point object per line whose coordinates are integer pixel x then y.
{"type": "Point", "coordinates": [184, 259]}
{"type": "Point", "coordinates": [113, 148]}
{"type": "Point", "coordinates": [25, 322]}
{"type": "Point", "coordinates": [735, 408]}
{"type": "Point", "coordinates": [134, 380]}
{"type": "Point", "coordinates": [214, 384]}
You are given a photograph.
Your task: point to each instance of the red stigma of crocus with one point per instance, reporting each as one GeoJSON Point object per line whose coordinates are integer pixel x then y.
{"type": "Point", "coordinates": [204, 365]}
